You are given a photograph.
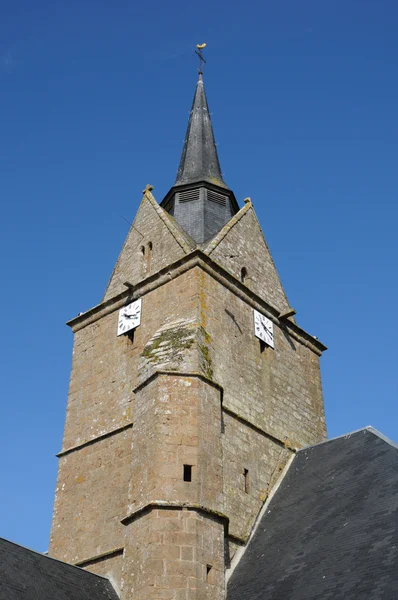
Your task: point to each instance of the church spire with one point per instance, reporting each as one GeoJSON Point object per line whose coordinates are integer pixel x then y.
{"type": "Point", "coordinates": [199, 158]}
{"type": "Point", "coordinates": [200, 200]}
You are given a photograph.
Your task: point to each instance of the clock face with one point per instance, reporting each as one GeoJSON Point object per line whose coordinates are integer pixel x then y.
{"type": "Point", "coordinates": [129, 317]}
{"type": "Point", "coordinates": [264, 328]}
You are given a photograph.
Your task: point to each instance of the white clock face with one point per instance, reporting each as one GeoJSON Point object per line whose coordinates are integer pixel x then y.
{"type": "Point", "coordinates": [129, 317]}
{"type": "Point", "coordinates": [264, 328]}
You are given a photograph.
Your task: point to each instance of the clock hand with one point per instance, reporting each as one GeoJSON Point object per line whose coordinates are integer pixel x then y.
{"type": "Point", "coordinates": [265, 328]}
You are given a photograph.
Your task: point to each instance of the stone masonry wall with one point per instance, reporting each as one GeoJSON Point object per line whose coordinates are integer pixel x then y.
{"type": "Point", "coordinates": [277, 390]}
{"type": "Point", "coordinates": [244, 246]}
{"type": "Point", "coordinates": [177, 423]}
{"type": "Point", "coordinates": [174, 554]}
{"type": "Point", "coordinates": [105, 367]}
{"type": "Point", "coordinates": [90, 499]}
{"type": "Point", "coordinates": [271, 398]}
{"type": "Point", "coordinates": [252, 463]}
{"type": "Point", "coordinates": [94, 474]}
{"type": "Point", "coordinates": [140, 409]}
{"type": "Point", "coordinates": [110, 567]}
{"type": "Point", "coordinates": [101, 380]}
{"type": "Point", "coordinates": [150, 246]}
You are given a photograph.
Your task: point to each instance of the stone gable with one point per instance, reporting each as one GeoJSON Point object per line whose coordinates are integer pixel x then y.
{"type": "Point", "coordinates": [241, 249]}
{"type": "Point", "coordinates": [154, 241]}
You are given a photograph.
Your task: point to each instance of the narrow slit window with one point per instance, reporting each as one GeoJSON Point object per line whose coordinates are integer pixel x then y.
{"type": "Point", "coordinates": [143, 261]}
{"type": "Point", "coordinates": [243, 274]}
{"type": "Point", "coordinates": [149, 257]}
{"type": "Point", "coordinates": [209, 573]}
{"type": "Point", "coordinates": [247, 480]}
{"type": "Point", "coordinates": [187, 472]}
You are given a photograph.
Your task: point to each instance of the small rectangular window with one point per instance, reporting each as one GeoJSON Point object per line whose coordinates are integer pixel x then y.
{"type": "Point", "coordinates": [187, 472]}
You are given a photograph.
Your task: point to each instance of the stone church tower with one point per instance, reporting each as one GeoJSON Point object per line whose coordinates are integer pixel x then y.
{"type": "Point", "coordinates": [178, 428]}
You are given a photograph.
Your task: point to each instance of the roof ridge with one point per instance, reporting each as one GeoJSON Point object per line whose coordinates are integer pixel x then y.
{"type": "Point", "coordinates": [369, 428]}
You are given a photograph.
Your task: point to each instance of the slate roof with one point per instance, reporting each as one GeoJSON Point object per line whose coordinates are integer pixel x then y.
{"type": "Point", "coordinates": [331, 529]}
{"type": "Point", "coordinates": [28, 575]}
{"type": "Point", "coordinates": [200, 201]}
{"type": "Point", "coordinates": [199, 158]}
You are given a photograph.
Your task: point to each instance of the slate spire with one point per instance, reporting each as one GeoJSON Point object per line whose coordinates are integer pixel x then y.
{"type": "Point", "coordinates": [200, 200]}
{"type": "Point", "coordinates": [199, 158]}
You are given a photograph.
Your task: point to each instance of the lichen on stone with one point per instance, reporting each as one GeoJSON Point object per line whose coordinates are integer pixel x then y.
{"type": "Point", "coordinates": [176, 344]}
{"type": "Point", "coordinates": [168, 341]}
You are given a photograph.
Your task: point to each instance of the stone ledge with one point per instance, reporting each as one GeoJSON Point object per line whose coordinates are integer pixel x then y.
{"type": "Point", "coordinates": [282, 443]}
{"type": "Point", "coordinates": [99, 557]}
{"type": "Point", "coordinates": [228, 411]}
{"type": "Point", "coordinates": [159, 504]}
{"type": "Point", "coordinates": [273, 438]}
{"type": "Point", "coordinates": [157, 373]}
{"type": "Point", "coordinates": [197, 258]}
{"type": "Point", "coordinates": [167, 505]}
{"type": "Point", "coordinates": [94, 440]}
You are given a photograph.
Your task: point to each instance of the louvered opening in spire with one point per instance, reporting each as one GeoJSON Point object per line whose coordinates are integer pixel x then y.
{"type": "Point", "coordinates": [199, 158]}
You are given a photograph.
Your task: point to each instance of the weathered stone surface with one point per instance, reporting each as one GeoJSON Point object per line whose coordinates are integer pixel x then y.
{"type": "Point", "coordinates": [241, 245]}
{"type": "Point", "coordinates": [277, 390]}
{"type": "Point", "coordinates": [90, 498]}
{"type": "Point", "coordinates": [193, 386]}
{"type": "Point", "coordinates": [177, 423]}
{"type": "Point", "coordinates": [252, 463]}
{"type": "Point", "coordinates": [110, 567]}
{"type": "Point", "coordinates": [177, 346]}
{"type": "Point", "coordinates": [99, 398]}
{"type": "Point", "coordinates": [154, 241]}
{"type": "Point", "coordinates": [175, 554]}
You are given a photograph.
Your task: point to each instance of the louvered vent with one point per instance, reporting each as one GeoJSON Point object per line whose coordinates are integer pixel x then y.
{"type": "Point", "coordinates": [217, 198]}
{"type": "Point", "coordinates": [188, 195]}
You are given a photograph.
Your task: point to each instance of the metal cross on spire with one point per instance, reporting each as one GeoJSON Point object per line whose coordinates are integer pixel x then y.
{"type": "Point", "coordinates": [200, 54]}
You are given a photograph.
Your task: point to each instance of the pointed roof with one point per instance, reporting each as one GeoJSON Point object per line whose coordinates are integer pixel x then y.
{"type": "Point", "coordinates": [199, 158]}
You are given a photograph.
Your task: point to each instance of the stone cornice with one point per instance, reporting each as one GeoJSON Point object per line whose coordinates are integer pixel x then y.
{"type": "Point", "coordinates": [158, 372]}
{"type": "Point", "coordinates": [229, 411]}
{"type": "Point", "coordinates": [99, 438]}
{"type": "Point", "coordinates": [282, 443]}
{"type": "Point", "coordinates": [166, 504]}
{"type": "Point", "coordinates": [197, 258]}
{"type": "Point", "coordinates": [99, 557]}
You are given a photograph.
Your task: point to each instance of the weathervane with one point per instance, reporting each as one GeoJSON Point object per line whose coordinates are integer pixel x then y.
{"type": "Point", "coordinates": [199, 53]}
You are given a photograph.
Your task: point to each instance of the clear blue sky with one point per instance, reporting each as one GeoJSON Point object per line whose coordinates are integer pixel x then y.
{"type": "Point", "coordinates": [94, 103]}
